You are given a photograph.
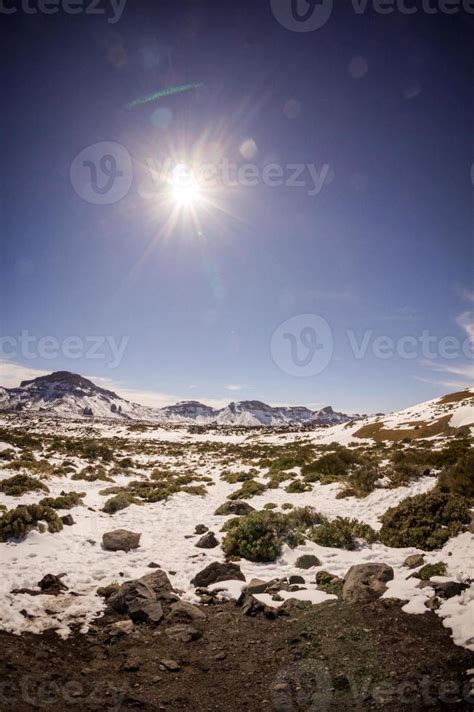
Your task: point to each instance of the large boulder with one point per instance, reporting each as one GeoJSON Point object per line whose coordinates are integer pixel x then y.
{"type": "Point", "coordinates": [238, 507]}
{"type": "Point", "coordinates": [307, 561]}
{"type": "Point", "coordinates": [183, 633]}
{"type": "Point", "coordinates": [217, 572]}
{"type": "Point", "coordinates": [208, 541]}
{"type": "Point", "coordinates": [142, 598]}
{"type": "Point", "coordinates": [120, 540]}
{"type": "Point", "coordinates": [414, 561]}
{"type": "Point", "coordinates": [183, 612]}
{"type": "Point", "coordinates": [366, 582]}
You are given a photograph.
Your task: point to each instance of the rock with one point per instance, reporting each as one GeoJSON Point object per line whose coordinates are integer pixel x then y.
{"type": "Point", "coordinates": [366, 582]}
{"type": "Point", "coordinates": [433, 603]}
{"type": "Point", "coordinates": [121, 628]}
{"type": "Point", "coordinates": [237, 507]}
{"type": "Point", "coordinates": [449, 589]}
{"type": "Point", "coordinates": [153, 565]}
{"type": "Point", "coordinates": [292, 605]}
{"type": "Point", "coordinates": [183, 612]}
{"type": "Point", "coordinates": [217, 572]}
{"type": "Point", "coordinates": [208, 541]}
{"type": "Point", "coordinates": [67, 520]}
{"type": "Point", "coordinates": [132, 664]}
{"type": "Point", "coordinates": [307, 561]}
{"type": "Point", "coordinates": [120, 540]}
{"type": "Point", "coordinates": [257, 586]}
{"type": "Point", "coordinates": [250, 605]}
{"type": "Point", "coordinates": [201, 529]}
{"type": "Point", "coordinates": [295, 587]}
{"type": "Point", "coordinates": [329, 582]}
{"type": "Point", "coordinates": [142, 611]}
{"type": "Point", "coordinates": [296, 579]}
{"type": "Point", "coordinates": [183, 633]}
{"type": "Point", "coordinates": [276, 585]}
{"type": "Point", "coordinates": [141, 597]}
{"type": "Point", "coordinates": [414, 560]}
{"type": "Point", "coordinates": [170, 665]}
{"type": "Point", "coordinates": [52, 584]}
{"type": "Point", "coordinates": [107, 591]}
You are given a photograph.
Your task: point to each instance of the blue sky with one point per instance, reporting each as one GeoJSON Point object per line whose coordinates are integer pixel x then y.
{"type": "Point", "coordinates": [195, 293]}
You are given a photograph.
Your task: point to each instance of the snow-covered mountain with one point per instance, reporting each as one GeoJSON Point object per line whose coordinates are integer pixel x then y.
{"type": "Point", "coordinates": [69, 394]}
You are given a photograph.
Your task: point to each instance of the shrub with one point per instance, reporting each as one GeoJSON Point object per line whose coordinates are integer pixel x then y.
{"type": "Point", "coordinates": [255, 537]}
{"type": "Point", "coordinates": [428, 570]}
{"type": "Point", "coordinates": [332, 464]}
{"type": "Point", "coordinates": [249, 489]}
{"type": "Point", "coordinates": [66, 500]}
{"type": "Point", "coordinates": [234, 477]}
{"type": "Point", "coordinates": [361, 482]}
{"type": "Point", "coordinates": [126, 462]}
{"type": "Point", "coordinates": [16, 523]}
{"type": "Point", "coordinates": [459, 477]}
{"type": "Point", "coordinates": [297, 486]}
{"type": "Point", "coordinates": [342, 533]}
{"type": "Point", "coordinates": [259, 536]}
{"type": "Point", "coordinates": [118, 502]}
{"type": "Point", "coordinates": [425, 521]}
{"type": "Point", "coordinates": [20, 484]}
{"type": "Point", "coordinates": [92, 474]}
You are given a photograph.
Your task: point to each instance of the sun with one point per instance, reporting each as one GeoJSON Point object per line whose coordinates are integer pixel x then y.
{"type": "Point", "coordinates": [185, 189]}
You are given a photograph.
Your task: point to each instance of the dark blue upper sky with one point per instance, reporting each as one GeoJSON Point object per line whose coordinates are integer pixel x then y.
{"type": "Point", "coordinates": [381, 103]}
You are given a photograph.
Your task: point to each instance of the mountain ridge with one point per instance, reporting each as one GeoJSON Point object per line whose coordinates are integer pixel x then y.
{"type": "Point", "coordinates": [70, 394]}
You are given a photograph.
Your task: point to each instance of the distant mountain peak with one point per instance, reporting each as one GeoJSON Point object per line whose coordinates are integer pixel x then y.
{"type": "Point", "coordinates": [70, 394]}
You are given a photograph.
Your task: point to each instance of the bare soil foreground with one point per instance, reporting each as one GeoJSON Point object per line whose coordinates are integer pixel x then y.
{"type": "Point", "coordinates": [334, 656]}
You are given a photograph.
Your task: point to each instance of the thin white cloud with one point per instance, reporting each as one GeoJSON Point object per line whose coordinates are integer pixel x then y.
{"type": "Point", "coordinates": [234, 387]}
{"type": "Point", "coordinates": [466, 322]}
{"type": "Point", "coordinates": [11, 374]}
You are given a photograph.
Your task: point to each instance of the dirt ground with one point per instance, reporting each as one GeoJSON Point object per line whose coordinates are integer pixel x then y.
{"type": "Point", "coordinates": [335, 656]}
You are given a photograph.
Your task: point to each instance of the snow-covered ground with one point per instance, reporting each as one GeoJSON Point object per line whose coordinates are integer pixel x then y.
{"type": "Point", "coordinates": [167, 538]}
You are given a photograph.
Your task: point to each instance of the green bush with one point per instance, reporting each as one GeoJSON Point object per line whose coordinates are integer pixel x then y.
{"type": "Point", "coordinates": [66, 500]}
{"type": "Point", "coordinates": [16, 523]}
{"type": "Point", "coordinates": [429, 570]}
{"type": "Point", "coordinates": [118, 502]}
{"type": "Point", "coordinates": [259, 536]}
{"type": "Point", "coordinates": [297, 486]}
{"type": "Point", "coordinates": [425, 521]}
{"type": "Point", "coordinates": [254, 537]}
{"type": "Point", "coordinates": [249, 489]}
{"type": "Point", "coordinates": [234, 477]}
{"type": "Point", "coordinates": [126, 462]}
{"type": "Point", "coordinates": [361, 482]}
{"type": "Point", "coordinates": [342, 533]}
{"type": "Point", "coordinates": [332, 465]}
{"type": "Point", "coordinates": [459, 477]}
{"type": "Point", "coordinates": [20, 484]}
